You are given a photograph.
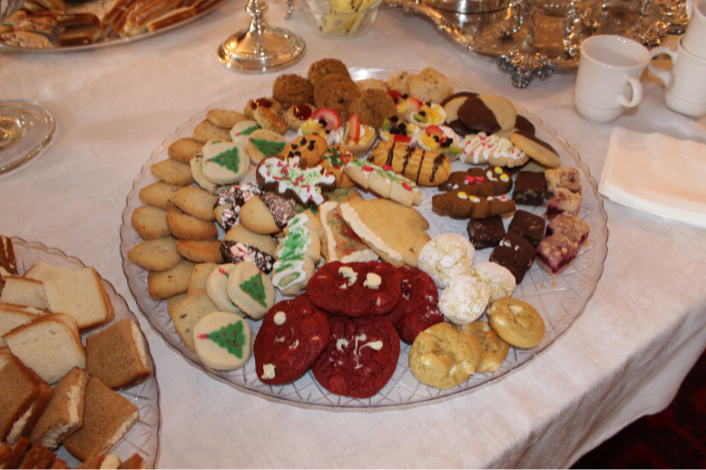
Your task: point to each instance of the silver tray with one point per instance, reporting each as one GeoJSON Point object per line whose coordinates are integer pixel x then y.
{"type": "Point", "coordinates": [559, 299]}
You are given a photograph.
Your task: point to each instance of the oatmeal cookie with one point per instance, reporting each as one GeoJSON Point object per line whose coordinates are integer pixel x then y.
{"type": "Point", "coordinates": [321, 68]}
{"type": "Point", "coordinates": [337, 95]}
{"type": "Point", "coordinates": [373, 107]}
{"type": "Point", "coordinates": [292, 89]}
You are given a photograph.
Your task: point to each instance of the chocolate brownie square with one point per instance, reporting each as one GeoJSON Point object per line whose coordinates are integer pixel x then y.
{"type": "Point", "coordinates": [529, 226]}
{"type": "Point", "coordinates": [518, 242]}
{"type": "Point", "coordinates": [530, 188]}
{"type": "Point", "coordinates": [485, 233]}
{"type": "Point", "coordinates": [517, 261]}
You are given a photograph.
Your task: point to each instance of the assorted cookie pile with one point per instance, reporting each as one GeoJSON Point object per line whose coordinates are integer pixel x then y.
{"type": "Point", "coordinates": [359, 274]}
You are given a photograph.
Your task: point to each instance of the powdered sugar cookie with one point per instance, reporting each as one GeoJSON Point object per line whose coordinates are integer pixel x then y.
{"type": "Point", "coordinates": [223, 341]}
{"type": "Point", "coordinates": [464, 300]}
{"type": "Point", "coordinates": [499, 279]}
{"type": "Point", "coordinates": [445, 257]}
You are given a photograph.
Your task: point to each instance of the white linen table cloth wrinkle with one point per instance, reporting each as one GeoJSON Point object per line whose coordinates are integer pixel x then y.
{"type": "Point", "coordinates": [625, 356]}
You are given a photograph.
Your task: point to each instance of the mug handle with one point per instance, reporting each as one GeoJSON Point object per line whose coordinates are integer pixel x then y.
{"type": "Point", "coordinates": [665, 75]}
{"type": "Point", "coordinates": [636, 92]}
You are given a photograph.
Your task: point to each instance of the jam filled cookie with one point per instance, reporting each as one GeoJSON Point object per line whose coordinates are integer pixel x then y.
{"type": "Point", "coordinates": [517, 322]}
{"type": "Point", "coordinates": [442, 357]}
{"type": "Point", "coordinates": [356, 289]}
{"type": "Point", "coordinates": [293, 335]}
{"type": "Point", "coordinates": [223, 341]}
{"type": "Point", "coordinates": [360, 358]}
{"type": "Point", "coordinates": [417, 308]}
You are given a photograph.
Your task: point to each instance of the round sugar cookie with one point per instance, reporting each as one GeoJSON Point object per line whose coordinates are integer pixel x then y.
{"type": "Point", "coordinates": [264, 143]}
{"type": "Point", "coordinates": [442, 357]}
{"type": "Point", "coordinates": [499, 279]}
{"type": "Point", "coordinates": [464, 300]}
{"type": "Point", "coordinates": [360, 358]}
{"type": "Point", "coordinates": [445, 257]}
{"type": "Point", "coordinates": [517, 322]}
{"type": "Point", "coordinates": [224, 162]}
{"type": "Point", "coordinates": [223, 341]}
{"type": "Point", "coordinates": [240, 133]}
{"type": "Point", "coordinates": [293, 335]}
{"type": "Point", "coordinates": [494, 348]}
{"type": "Point", "coordinates": [250, 290]}
{"type": "Point", "coordinates": [216, 288]}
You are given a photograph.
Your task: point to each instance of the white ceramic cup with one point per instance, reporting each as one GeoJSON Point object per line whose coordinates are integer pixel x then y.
{"type": "Point", "coordinates": [608, 79]}
{"type": "Point", "coordinates": [694, 39]}
{"type": "Point", "coordinates": [685, 83]}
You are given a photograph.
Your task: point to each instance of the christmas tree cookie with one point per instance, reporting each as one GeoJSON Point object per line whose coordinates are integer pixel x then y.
{"type": "Point", "coordinates": [216, 288]}
{"type": "Point", "coordinates": [250, 290]}
{"type": "Point", "coordinates": [224, 162]}
{"type": "Point", "coordinates": [223, 341]}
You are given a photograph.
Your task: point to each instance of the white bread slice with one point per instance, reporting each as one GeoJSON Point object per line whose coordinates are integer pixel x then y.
{"type": "Point", "coordinates": [10, 319]}
{"type": "Point", "coordinates": [25, 308]}
{"type": "Point", "coordinates": [21, 291]}
{"type": "Point", "coordinates": [80, 295]}
{"type": "Point", "coordinates": [64, 414]}
{"type": "Point", "coordinates": [44, 271]}
{"type": "Point", "coordinates": [48, 345]}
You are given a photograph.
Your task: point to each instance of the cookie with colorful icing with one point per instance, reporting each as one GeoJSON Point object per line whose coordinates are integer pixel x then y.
{"type": "Point", "coordinates": [461, 205]}
{"type": "Point", "coordinates": [424, 167]}
{"type": "Point", "coordinates": [417, 308]}
{"type": "Point", "coordinates": [287, 178]}
{"type": "Point", "coordinates": [250, 289]}
{"type": "Point", "coordinates": [309, 148]}
{"type": "Point", "coordinates": [384, 182]}
{"type": "Point", "coordinates": [224, 162]}
{"type": "Point", "coordinates": [340, 243]}
{"type": "Point", "coordinates": [334, 160]}
{"type": "Point", "coordinates": [267, 213]}
{"type": "Point", "coordinates": [241, 132]}
{"type": "Point", "coordinates": [360, 358]}
{"type": "Point", "coordinates": [472, 182]}
{"type": "Point", "coordinates": [356, 289]}
{"type": "Point", "coordinates": [227, 208]}
{"type": "Point", "coordinates": [494, 150]}
{"type": "Point", "coordinates": [223, 341]}
{"type": "Point", "coordinates": [217, 288]}
{"type": "Point", "coordinates": [292, 336]}
{"type": "Point", "coordinates": [298, 254]}
{"type": "Point", "coordinates": [264, 143]}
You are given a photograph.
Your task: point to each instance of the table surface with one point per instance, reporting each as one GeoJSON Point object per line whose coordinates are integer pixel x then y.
{"type": "Point", "coordinates": [623, 358]}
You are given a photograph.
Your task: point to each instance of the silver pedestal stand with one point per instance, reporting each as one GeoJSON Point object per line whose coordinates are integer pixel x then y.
{"type": "Point", "coordinates": [260, 47]}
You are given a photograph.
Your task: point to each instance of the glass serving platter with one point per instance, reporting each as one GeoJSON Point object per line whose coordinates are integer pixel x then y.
{"type": "Point", "coordinates": [559, 299]}
{"type": "Point", "coordinates": [99, 10]}
{"type": "Point", "coordinates": [143, 438]}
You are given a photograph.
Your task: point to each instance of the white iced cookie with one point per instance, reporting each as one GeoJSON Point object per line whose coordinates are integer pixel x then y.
{"type": "Point", "coordinates": [217, 288]}
{"type": "Point", "coordinates": [240, 133]}
{"type": "Point", "coordinates": [498, 278]}
{"type": "Point", "coordinates": [250, 290]}
{"type": "Point", "coordinates": [224, 162]}
{"type": "Point", "coordinates": [464, 300]}
{"type": "Point", "coordinates": [223, 341]}
{"type": "Point", "coordinates": [445, 257]}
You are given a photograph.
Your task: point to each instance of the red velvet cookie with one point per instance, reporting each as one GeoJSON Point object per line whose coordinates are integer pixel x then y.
{"type": "Point", "coordinates": [355, 289]}
{"type": "Point", "coordinates": [417, 309]}
{"type": "Point", "coordinates": [360, 358]}
{"type": "Point", "coordinates": [293, 334]}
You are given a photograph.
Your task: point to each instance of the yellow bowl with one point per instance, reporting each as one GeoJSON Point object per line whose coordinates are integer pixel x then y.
{"type": "Point", "coordinates": [340, 19]}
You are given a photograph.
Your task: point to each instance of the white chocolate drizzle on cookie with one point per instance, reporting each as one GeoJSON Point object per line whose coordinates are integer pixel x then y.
{"type": "Point", "coordinates": [376, 345]}
{"type": "Point", "coordinates": [363, 231]}
{"type": "Point", "coordinates": [341, 343]}
{"type": "Point", "coordinates": [479, 148]}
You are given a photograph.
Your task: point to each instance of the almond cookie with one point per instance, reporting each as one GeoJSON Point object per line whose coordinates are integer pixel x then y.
{"type": "Point", "coordinates": [267, 213]}
{"type": "Point", "coordinates": [537, 149]}
{"type": "Point", "coordinates": [289, 179]}
{"type": "Point", "coordinates": [292, 336]}
{"type": "Point", "coordinates": [227, 207]}
{"type": "Point", "coordinates": [240, 133]}
{"type": "Point", "coordinates": [159, 194]}
{"type": "Point", "coordinates": [172, 172]}
{"type": "Point", "coordinates": [373, 107]}
{"type": "Point", "coordinates": [155, 255]}
{"type": "Point", "coordinates": [250, 290]}
{"type": "Point", "coordinates": [150, 222]}
{"type": "Point", "coordinates": [430, 86]}
{"type": "Point", "coordinates": [517, 322]}
{"type": "Point", "coordinates": [183, 150]}
{"type": "Point", "coordinates": [196, 201]}
{"type": "Point", "coordinates": [225, 118]}
{"type": "Point", "coordinates": [297, 115]}
{"type": "Point", "coordinates": [494, 348]}
{"type": "Point", "coordinates": [417, 308]}
{"type": "Point", "coordinates": [464, 300]}
{"type": "Point", "coordinates": [200, 179]}
{"type": "Point", "coordinates": [188, 313]}
{"type": "Point", "coordinates": [224, 162]}
{"type": "Point", "coordinates": [360, 358]}
{"type": "Point", "coordinates": [340, 242]}
{"type": "Point", "coordinates": [443, 358]}
{"type": "Point", "coordinates": [445, 257]}
{"type": "Point", "coordinates": [186, 227]}
{"type": "Point", "coordinates": [165, 284]}
{"type": "Point", "coordinates": [270, 103]}
{"type": "Point", "coordinates": [264, 143]}
{"type": "Point", "coordinates": [395, 232]}
{"type": "Point", "coordinates": [267, 119]}
{"type": "Point", "coordinates": [206, 131]}
{"type": "Point", "coordinates": [309, 148]}
{"type": "Point", "coordinates": [223, 341]}
{"type": "Point", "coordinates": [424, 167]}
{"type": "Point", "coordinates": [200, 251]}
{"type": "Point", "coordinates": [292, 89]}
{"type": "Point", "coordinates": [323, 67]}
{"type": "Point", "coordinates": [297, 255]}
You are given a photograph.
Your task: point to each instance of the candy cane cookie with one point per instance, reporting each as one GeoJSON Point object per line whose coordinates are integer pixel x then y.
{"type": "Point", "coordinates": [385, 182]}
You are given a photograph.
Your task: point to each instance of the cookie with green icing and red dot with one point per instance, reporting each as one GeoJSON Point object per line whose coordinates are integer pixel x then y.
{"type": "Point", "coordinates": [250, 289]}
{"type": "Point", "coordinates": [223, 341]}
{"type": "Point", "coordinates": [224, 162]}
{"type": "Point", "coordinates": [264, 143]}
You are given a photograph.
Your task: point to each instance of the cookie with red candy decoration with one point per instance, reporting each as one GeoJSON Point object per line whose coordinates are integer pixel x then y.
{"type": "Point", "coordinates": [292, 336]}
{"type": "Point", "coordinates": [355, 289]}
{"type": "Point", "coordinates": [334, 160]}
{"type": "Point", "coordinates": [360, 358]}
{"type": "Point", "coordinates": [385, 182]}
{"type": "Point", "coordinates": [417, 308]}
{"type": "Point", "coordinates": [290, 179]}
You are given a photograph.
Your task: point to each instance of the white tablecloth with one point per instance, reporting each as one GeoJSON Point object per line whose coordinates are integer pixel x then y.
{"type": "Point", "coordinates": [624, 357]}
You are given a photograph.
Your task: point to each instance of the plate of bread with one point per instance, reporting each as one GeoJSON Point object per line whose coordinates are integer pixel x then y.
{"type": "Point", "coordinates": [187, 230]}
{"type": "Point", "coordinates": [77, 380]}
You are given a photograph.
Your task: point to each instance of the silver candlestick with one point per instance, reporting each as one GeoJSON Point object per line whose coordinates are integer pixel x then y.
{"type": "Point", "coordinates": [260, 47]}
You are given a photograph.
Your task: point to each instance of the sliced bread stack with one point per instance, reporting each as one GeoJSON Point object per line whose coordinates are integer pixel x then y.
{"type": "Point", "coordinates": [81, 295]}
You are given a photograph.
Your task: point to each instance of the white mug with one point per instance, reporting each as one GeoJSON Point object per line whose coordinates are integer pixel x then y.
{"type": "Point", "coordinates": [685, 83]}
{"type": "Point", "coordinates": [694, 39]}
{"type": "Point", "coordinates": [608, 79]}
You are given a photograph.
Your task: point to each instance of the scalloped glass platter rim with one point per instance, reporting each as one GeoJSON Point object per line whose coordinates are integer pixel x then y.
{"type": "Point", "coordinates": [559, 299]}
{"type": "Point", "coordinates": [144, 436]}
{"type": "Point", "coordinates": [112, 41]}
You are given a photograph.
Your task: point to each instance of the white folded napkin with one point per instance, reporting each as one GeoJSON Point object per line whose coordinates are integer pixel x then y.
{"type": "Point", "coordinates": [656, 174]}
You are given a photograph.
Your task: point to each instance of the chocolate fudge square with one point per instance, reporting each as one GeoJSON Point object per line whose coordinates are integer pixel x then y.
{"type": "Point", "coordinates": [530, 188]}
{"type": "Point", "coordinates": [528, 225]}
{"type": "Point", "coordinates": [485, 233]}
{"type": "Point", "coordinates": [518, 242]}
{"type": "Point", "coordinates": [517, 261]}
